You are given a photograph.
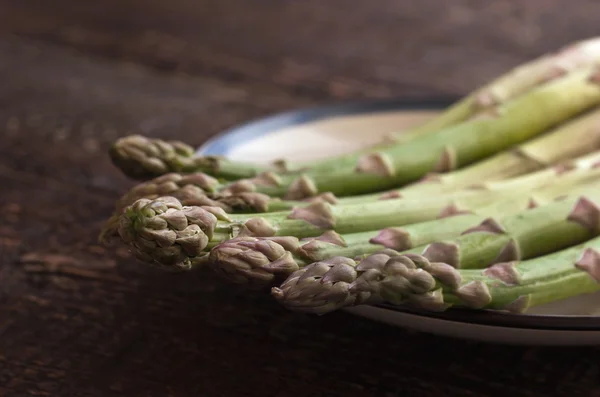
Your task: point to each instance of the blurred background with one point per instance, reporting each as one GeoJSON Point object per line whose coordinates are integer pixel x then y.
{"type": "Point", "coordinates": [179, 59]}
{"type": "Point", "coordinates": [312, 48]}
{"type": "Point", "coordinates": [78, 320]}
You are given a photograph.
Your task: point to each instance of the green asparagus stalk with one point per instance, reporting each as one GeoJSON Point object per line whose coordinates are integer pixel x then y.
{"type": "Point", "coordinates": [512, 123]}
{"type": "Point", "coordinates": [407, 279]}
{"type": "Point", "coordinates": [196, 189]}
{"type": "Point", "coordinates": [163, 231]}
{"type": "Point", "coordinates": [143, 158]}
{"type": "Point", "coordinates": [494, 233]}
{"type": "Point", "coordinates": [572, 139]}
{"type": "Point", "coordinates": [576, 138]}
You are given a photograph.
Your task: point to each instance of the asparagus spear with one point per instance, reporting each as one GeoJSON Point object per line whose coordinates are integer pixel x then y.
{"type": "Point", "coordinates": [494, 233]}
{"type": "Point", "coordinates": [194, 186]}
{"type": "Point", "coordinates": [405, 279]}
{"type": "Point", "coordinates": [143, 158]}
{"type": "Point", "coordinates": [196, 189]}
{"type": "Point", "coordinates": [510, 124]}
{"type": "Point", "coordinates": [574, 138]}
{"type": "Point", "coordinates": [163, 231]}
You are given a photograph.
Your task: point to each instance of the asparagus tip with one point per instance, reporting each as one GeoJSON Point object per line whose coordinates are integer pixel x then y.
{"type": "Point", "coordinates": [318, 288]}
{"type": "Point", "coordinates": [258, 202]}
{"type": "Point", "coordinates": [139, 157]}
{"type": "Point", "coordinates": [163, 232]}
{"type": "Point", "coordinates": [255, 261]}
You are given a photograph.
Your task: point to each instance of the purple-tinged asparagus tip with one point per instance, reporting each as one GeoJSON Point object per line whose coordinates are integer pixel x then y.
{"type": "Point", "coordinates": [255, 261]}
{"type": "Point", "coordinates": [163, 232]}
{"type": "Point", "coordinates": [142, 158]}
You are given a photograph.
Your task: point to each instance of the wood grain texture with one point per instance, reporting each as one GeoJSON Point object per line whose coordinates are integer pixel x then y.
{"type": "Point", "coordinates": [79, 320]}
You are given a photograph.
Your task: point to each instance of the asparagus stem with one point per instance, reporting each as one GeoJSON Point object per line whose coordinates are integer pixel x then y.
{"type": "Point", "coordinates": [405, 279]}
{"type": "Point", "coordinates": [192, 189]}
{"type": "Point", "coordinates": [497, 232]}
{"type": "Point", "coordinates": [578, 137]}
{"type": "Point", "coordinates": [574, 138]}
{"type": "Point", "coordinates": [559, 148]}
{"type": "Point", "coordinates": [524, 235]}
{"type": "Point", "coordinates": [143, 158]}
{"type": "Point", "coordinates": [509, 124]}
{"type": "Point", "coordinates": [155, 227]}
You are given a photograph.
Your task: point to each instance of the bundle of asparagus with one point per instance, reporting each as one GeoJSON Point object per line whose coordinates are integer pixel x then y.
{"type": "Point", "coordinates": [504, 230]}
{"type": "Point", "coordinates": [575, 137]}
{"type": "Point", "coordinates": [492, 204]}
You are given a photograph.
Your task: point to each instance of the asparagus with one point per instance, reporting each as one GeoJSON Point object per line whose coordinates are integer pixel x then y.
{"type": "Point", "coordinates": [491, 234]}
{"type": "Point", "coordinates": [408, 279]}
{"type": "Point", "coordinates": [143, 158]}
{"type": "Point", "coordinates": [574, 138]}
{"type": "Point", "coordinates": [196, 189]}
{"type": "Point", "coordinates": [509, 124]}
{"type": "Point", "coordinates": [163, 231]}
{"type": "Point", "coordinates": [190, 189]}
{"type": "Point", "coordinates": [139, 157]}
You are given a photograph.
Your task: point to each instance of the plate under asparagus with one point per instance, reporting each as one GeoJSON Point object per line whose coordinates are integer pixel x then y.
{"type": "Point", "coordinates": [492, 204]}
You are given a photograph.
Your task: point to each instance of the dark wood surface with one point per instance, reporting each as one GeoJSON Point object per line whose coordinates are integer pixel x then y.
{"type": "Point", "coordinates": [79, 320]}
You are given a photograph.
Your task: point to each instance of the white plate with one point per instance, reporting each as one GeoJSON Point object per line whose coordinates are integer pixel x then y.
{"type": "Point", "coordinates": [319, 132]}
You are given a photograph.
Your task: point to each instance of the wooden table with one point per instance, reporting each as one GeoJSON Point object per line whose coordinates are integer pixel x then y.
{"type": "Point", "coordinates": [77, 319]}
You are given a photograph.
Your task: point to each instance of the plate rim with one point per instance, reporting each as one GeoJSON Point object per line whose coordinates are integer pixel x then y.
{"type": "Point", "coordinates": [262, 126]}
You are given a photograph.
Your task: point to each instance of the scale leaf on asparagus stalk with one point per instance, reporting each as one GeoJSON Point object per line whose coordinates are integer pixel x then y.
{"type": "Point", "coordinates": [409, 279]}
{"type": "Point", "coordinates": [143, 158]}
